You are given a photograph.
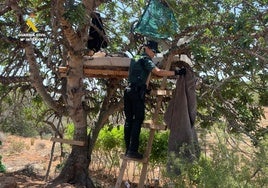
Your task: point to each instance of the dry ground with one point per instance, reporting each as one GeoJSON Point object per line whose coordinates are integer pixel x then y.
{"type": "Point", "coordinates": [27, 159]}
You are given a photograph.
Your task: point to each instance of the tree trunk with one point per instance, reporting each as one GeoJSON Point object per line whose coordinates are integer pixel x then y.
{"type": "Point", "coordinates": [75, 170]}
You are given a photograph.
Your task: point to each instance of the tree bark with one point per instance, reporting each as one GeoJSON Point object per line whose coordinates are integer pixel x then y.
{"type": "Point", "coordinates": [75, 170]}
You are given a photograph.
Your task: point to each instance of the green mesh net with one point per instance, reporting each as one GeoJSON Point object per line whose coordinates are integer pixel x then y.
{"type": "Point", "coordinates": [157, 21]}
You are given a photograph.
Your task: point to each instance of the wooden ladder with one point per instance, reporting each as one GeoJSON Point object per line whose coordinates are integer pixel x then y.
{"type": "Point", "coordinates": [145, 160]}
{"type": "Point", "coordinates": [153, 126]}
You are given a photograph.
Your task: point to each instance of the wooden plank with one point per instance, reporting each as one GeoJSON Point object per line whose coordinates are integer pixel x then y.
{"type": "Point", "coordinates": [150, 124]}
{"type": "Point", "coordinates": [112, 61]}
{"type": "Point", "coordinates": [143, 160]}
{"type": "Point", "coordinates": [107, 61]}
{"type": "Point", "coordinates": [105, 73]}
{"type": "Point", "coordinates": [97, 73]}
{"type": "Point", "coordinates": [121, 174]}
{"type": "Point", "coordinates": [162, 92]}
{"type": "Point", "coordinates": [66, 141]}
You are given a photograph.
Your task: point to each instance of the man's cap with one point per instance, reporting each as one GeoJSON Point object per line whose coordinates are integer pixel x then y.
{"type": "Point", "coordinates": [153, 46]}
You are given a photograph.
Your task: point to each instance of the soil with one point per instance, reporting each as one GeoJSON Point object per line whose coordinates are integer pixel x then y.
{"type": "Point", "coordinates": [27, 159]}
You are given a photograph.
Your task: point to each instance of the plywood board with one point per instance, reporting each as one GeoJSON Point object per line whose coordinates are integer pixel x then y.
{"type": "Point", "coordinates": [105, 67]}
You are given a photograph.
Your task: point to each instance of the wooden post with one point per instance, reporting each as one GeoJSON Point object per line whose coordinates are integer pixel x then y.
{"type": "Point", "coordinates": [121, 174]}
{"type": "Point", "coordinates": [147, 155]}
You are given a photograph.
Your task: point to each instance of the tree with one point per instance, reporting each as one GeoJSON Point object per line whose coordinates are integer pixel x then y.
{"type": "Point", "coordinates": [227, 43]}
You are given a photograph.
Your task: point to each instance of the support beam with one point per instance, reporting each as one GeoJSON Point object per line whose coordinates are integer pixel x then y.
{"type": "Point", "coordinates": [65, 141]}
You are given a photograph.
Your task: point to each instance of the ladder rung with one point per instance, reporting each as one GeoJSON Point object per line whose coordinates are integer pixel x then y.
{"type": "Point", "coordinates": [162, 92]}
{"type": "Point", "coordinates": [151, 125]}
{"type": "Point", "coordinates": [143, 160]}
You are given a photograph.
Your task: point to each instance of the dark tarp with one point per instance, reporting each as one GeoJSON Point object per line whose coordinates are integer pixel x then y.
{"type": "Point", "coordinates": [157, 21]}
{"type": "Point", "coordinates": [180, 118]}
{"type": "Point", "coordinates": [97, 34]}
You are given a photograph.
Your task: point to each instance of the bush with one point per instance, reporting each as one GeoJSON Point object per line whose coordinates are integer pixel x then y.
{"type": "Point", "coordinates": [159, 147]}
{"type": "Point", "coordinates": [220, 166]}
{"type": "Point", "coordinates": [2, 167]}
{"type": "Point", "coordinates": [225, 167]}
{"type": "Point", "coordinates": [17, 146]}
{"type": "Point", "coordinates": [111, 138]}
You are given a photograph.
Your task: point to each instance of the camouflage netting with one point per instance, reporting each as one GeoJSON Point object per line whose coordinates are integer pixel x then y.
{"type": "Point", "coordinates": [157, 21]}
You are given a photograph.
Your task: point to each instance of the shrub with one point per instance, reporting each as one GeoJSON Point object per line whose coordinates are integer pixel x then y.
{"type": "Point", "coordinates": [225, 167]}
{"type": "Point", "coordinates": [110, 138]}
{"type": "Point", "coordinates": [17, 146]}
{"type": "Point", "coordinates": [2, 167]}
{"type": "Point", "coordinates": [159, 147]}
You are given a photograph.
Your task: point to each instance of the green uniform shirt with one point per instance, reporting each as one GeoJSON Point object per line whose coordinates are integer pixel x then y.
{"type": "Point", "coordinates": [140, 69]}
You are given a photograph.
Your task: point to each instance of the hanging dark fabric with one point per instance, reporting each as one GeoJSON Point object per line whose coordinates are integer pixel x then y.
{"type": "Point", "coordinates": [157, 21]}
{"type": "Point", "coordinates": [96, 39]}
{"type": "Point", "coordinates": [180, 118]}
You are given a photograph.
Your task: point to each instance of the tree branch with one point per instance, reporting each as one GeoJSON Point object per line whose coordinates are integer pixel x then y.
{"type": "Point", "coordinates": [37, 80]}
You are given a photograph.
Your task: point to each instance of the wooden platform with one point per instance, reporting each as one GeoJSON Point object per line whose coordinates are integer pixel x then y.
{"type": "Point", "coordinates": [105, 67]}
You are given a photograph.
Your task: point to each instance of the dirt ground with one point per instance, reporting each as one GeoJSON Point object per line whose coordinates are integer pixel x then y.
{"type": "Point", "coordinates": [27, 159]}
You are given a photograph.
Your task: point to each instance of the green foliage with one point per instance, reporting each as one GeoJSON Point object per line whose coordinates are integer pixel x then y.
{"type": "Point", "coordinates": [75, 14]}
{"type": "Point", "coordinates": [264, 90]}
{"type": "Point", "coordinates": [23, 114]}
{"type": "Point", "coordinates": [113, 137]}
{"type": "Point", "coordinates": [69, 131]}
{"type": "Point", "coordinates": [260, 175]}
{"type": "Point", "coordinates": [2, 166]}
{"type": "Point", "coordinates": [225, 166]}
{"type": "Point", "coordinates": [110, 138]}
{"type": "Point", "coordinates": [159, 147]}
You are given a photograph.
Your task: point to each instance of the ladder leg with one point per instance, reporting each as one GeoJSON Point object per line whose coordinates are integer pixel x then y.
{"type": "Point", "coordinates": [143, 175]}
{"type": "Point", "coordinates": [121, 174]}
{"type": "Point", "coordinates": [147, 153]}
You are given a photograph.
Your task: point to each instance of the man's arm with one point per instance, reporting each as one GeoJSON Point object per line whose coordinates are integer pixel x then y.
{"type": "Point", "coordinates": [161, 72]}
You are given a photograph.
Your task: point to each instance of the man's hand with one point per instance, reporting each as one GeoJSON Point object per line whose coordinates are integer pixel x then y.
{"type": "Point", "coordinates": [181, 71]}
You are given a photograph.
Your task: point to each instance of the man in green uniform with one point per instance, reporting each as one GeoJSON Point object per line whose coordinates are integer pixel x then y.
{"type": "Point", "coordinates": [134, 95]}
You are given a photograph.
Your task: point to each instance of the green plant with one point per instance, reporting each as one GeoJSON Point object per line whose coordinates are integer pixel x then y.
{"type": "Point", "coordinates": [110, 138]}
{"type": "Point", "coordinates": [69, 132]}
{"type": "Point", "coordinates": [159, 147]}
{"type": "Point", "coordinates": [2, 167]}
{"type": "Point", "coordinates": [225, 166]}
